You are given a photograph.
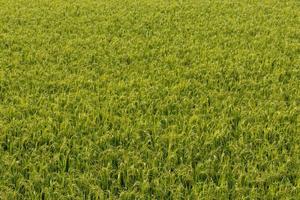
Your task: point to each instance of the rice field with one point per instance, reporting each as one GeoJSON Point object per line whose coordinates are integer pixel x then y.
{"type": "Point", "coordinates": [150, 99]}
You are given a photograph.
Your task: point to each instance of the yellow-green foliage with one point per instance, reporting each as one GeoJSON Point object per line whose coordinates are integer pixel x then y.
{"type": "Point", "coordinates": [149, 99]}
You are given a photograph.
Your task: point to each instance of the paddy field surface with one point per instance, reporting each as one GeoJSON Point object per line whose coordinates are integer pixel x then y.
{"type": "Point", "coordinates": [149, 99]}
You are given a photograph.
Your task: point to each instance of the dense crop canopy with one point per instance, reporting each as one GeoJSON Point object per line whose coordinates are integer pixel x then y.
{"type": "Point", "coordinates": [149, 99]}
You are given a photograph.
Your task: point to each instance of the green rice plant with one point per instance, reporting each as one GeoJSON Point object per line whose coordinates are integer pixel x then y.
{"type": "Point", "coordinates": [150, 99]}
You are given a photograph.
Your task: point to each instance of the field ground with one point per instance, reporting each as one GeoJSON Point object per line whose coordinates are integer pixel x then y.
{"type": "Point", "coordinates": [149, 99]}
